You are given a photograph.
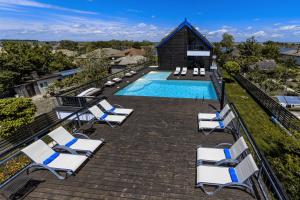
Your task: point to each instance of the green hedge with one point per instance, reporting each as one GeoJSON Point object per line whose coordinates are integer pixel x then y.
{"type": "Point", "coordinates": [14, 113]}
{"type": "Point", "coordinates": [281, 150]}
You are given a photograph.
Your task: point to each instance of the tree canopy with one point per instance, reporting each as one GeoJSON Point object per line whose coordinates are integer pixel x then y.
{"type": "Point", "coordinates": [19, 59]}
{"type": "Point", "coordinates": [14, 113]}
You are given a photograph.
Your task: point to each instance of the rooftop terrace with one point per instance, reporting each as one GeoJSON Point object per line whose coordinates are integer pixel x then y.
{"type": "Point", "coordinates": [152, 155]}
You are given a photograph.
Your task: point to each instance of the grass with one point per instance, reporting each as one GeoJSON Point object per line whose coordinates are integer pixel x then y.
{"type": "Point", "coordinates": [281, 150]}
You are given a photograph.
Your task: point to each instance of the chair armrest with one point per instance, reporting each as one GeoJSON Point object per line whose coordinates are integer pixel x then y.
{"type": "Point", "coordinates": [223, 144]}
{"type": "Point", "coordinates": [226, 161]}
{"type": "Point", "coordinates": [61, 147]}
{"type": "Point", "coordinates": [117, 105]}
{"type": "Point", "coordinates": [83, 135]}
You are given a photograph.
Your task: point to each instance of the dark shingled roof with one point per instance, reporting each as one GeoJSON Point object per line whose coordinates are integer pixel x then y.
{"type": "Point", "coordinates": [185, 23]}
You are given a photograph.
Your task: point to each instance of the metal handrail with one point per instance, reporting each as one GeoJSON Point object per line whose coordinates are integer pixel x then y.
{"type": "Point", "coordinates": [33, 138]}
{"type": "Point", "coordinates": [65, 93]}
{"type": "Point", "coordinates": [265, 166]}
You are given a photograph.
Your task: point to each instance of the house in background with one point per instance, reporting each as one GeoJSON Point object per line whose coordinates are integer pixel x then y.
{"type": "Point", "coordinates": [39, 85]}
{"type": "Point", "coordinates": [292, 53]}
{"type": "Point", "coordinates": [185, 46]}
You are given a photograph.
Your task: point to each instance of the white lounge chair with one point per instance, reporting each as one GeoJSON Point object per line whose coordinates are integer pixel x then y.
{"type": "Point", "coordinates": [89, 92]}
{"type": "Point", "coordinates": [44, 157]}
{"type": "Point", "coordinates": [109, 119]}
{"type": "Point", "coordinates": [196, 71]}
{"type": "Point", "coordinates": [177, 71]}
{"type": "Point", "coordinates": [216, 125]}
{"type": "Point", "coordinates": [202, 71]}
{"type": "Point", "coordinates": [222, 156]}
{"type": "Point", "coordinates": [117, 80]}
{"type": "Point", "coordinates": [184, 71]}
{"type": "Point", "coordinates": [67, 141]}
{"type": "Point", "coordinates": [113, 110]}
{"type": "Point", "coordinates": [128, 74]}
{"type": "Point", "coordinates": [220, 177]}
{"type": "Point", "coordinates": [132, 72]}
{"type": "Point", "coordinates": [215, 116]}
{"type": "Point", "coordinates": [109, 83]}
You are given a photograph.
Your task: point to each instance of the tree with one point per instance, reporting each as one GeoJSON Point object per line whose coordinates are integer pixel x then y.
{"type": "Point", "coordinates": [227, 42]}
{"type": "Point", "coordinates": [14, 113]}
{"type": "Point", "coordinates": [270, 51]}
{"type": "Point", "coordinates": [150, 56]}
{"type": "Point", "coordinates": [232, 67]}
{"type": "Point", "coordinates": [19, 59]}
{"type": "Point", "coordinates": [68, 44]}
{"type": "Point", "coordinates": [250, 47]}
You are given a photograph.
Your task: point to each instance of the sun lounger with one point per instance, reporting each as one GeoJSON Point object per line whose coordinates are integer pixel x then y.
{"type": "Point", "coordinates": [220, 156]}
{"type": "Point", "coordinates": [128, 74]}
{"type": "Point", "coordinates": [216, 125]}
{"type": "Point", "coordinates": [109, 119]}
{"type": "Point", "coordinates": [220, 177]}
{"type": "Point", "coordinates": [67, 141]}
{"type": "Point", "coordinates": [177, 71]}
{"type": "Point", "coordinates": [113, 109]}
{"type": "Point", "coordinates": [132, 72]}
{"type": "Point", "coordinates": [184, 71]}
{"type": "Point", "coordinates": [196, 71]}
{"type": "Point", "coordinates": [117, 80]}
{"type": "Point", "coordinates": [215, 116]}
{"type": "Point", "coordinates": [44, 157]}
{"type": "Point", "coordinates": [90, 92]}
{"type": "Point", "coordinates": [202, 71]}
{"type": "Point", "coordinates": [109, 83]}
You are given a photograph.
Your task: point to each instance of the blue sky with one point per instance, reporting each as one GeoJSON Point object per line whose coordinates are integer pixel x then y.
{"type": "Point", "coordinates": [88, 20]}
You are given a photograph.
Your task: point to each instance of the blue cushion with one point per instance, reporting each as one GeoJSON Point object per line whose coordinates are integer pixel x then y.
{"type": "Point", "coordinates": [233, 175]}
{"type": "Point", "coordinates": [103, 116]}
{"type": "Point", "coordinates": [227, 154]}
{"type": "Point", "coordinates": [51, 158]}
{"type": "Point", "coordinates": [112, 110]}
{"type": "Point", "coordinates": [71, 142]}
{"type": "Point", "coordinates": [218, 116]}
{"type": "Point", "coordinates": [221, 124]}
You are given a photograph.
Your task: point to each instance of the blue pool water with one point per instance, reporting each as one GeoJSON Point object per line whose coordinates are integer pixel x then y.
{"type": "Point", "coordinates": [155, 84]}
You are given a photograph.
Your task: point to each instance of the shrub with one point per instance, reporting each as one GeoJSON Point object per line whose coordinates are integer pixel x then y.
{"type": "Point", "coordinates": [14, 113]}
{"type": "Point", "coordinates": [281, 150]}
{"type": "Point", "coordinates": [232, 67]}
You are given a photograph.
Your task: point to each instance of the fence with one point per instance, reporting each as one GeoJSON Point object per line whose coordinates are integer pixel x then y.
{"type": "Point", "coordinates": [284, 116]}
{"type": "Point", "coordinates": [70, 97]}
{"type": "Point", "coordinates": [26, 131]}
{"type": "Point", "coordinates": [217, 82]}
{"type": "Point", "coordinates": [14, 155]}
{"type": "Point", "coordinates": [268, 183]}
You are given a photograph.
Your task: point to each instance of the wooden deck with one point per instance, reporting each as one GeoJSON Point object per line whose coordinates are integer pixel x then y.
{"type": "Point", "coordinates": [151, 155]}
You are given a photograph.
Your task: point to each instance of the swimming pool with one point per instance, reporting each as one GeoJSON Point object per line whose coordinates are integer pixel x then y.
{"type": "Point", "coordinates": [155, 84]}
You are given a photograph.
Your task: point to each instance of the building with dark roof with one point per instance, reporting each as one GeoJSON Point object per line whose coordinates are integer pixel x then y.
{"type": "Point", "coordinates": [185, 46]}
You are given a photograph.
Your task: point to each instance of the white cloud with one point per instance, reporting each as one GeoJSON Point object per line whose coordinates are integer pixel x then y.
{"type": "Point", "coordinates": [259, 34]}
{"type": "Point", "coordinates": [289, 27]}
{"type": "Point", "coordinates": [141, 25]}
{"type": "Point", "coordinates": [277, 35]}
{"type": "Point", "coordinates": [216, 32]}
{"type": "Point", "coordinates": [30, 3]}
{"type": "Point", "coordinates": [77, 28]}
{"type": "Point", "coordinates": [249, 28]}
{"type": "Point", "coordinates": [153, 16]}
{"type": "Point", "coordinates": [256, 19]}
{"type": "Point", "coordinates": [297, 33]}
